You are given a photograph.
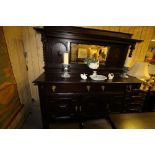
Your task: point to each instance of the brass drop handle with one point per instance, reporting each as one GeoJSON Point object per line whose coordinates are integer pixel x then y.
{"type": "Point", "coordinates": [102, 87]}
{"type": "Point", "coordinates": [53, 88]}
{"type": "Point", "coordinates": [76, 108]}
{"type": "Point", "coordinates": [80, 109]}
{"type": "Point", "coordinates": [88, 88]}
{"type": "Point", "coordinates": [130, 87]}
{"type": "Point", "coordinates": [62, 106]}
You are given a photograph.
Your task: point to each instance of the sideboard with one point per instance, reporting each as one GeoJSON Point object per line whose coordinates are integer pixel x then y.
{"type": "Point", "coordinates": [74, 99]}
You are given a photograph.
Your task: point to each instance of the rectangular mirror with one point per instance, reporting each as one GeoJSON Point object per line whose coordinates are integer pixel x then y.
{"type": "Point", "coordinates": [81, 52]}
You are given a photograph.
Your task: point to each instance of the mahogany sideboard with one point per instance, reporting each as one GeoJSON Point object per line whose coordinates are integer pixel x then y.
{"type": "Point", "coordinates": [78, 100]}
{"type": "Point", "coordinates": [74, 99]}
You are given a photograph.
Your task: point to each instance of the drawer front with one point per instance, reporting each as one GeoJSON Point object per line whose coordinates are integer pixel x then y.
{"type": "Point", "coordinates": [134, 99]}
{"type": "Point", "coordinates": [65, 88]}
{"type": "Point", "coordinates": [105, 88]}
{"type": "Point", "coordinates": [73, 89]}
{"type": "Point", "coordinates": [77, 88]}
{"type": "Point", "coordinates": [115, 88]}
{"type": "Point", "coordinates": [62, 107]}
{"type": "Point", "coordinates": [135, 88]}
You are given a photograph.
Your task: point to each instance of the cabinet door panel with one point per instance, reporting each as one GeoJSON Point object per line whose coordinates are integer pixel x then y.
{"type": "Point", "coordinates": [116, 104]}
{"type": "Point", "coordinates": [134, 99]}
{"type": "Point", "coordinates": [62, 108]}
{"type": "Point", "coordinates": [94, 106]}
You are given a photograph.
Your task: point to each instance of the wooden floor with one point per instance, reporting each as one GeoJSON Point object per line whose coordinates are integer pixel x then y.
{"type": "Point", "coordinates": [33, 121]}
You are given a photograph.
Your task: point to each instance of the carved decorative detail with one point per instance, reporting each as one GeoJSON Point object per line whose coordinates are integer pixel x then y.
{"type": "Point", "coordinates": [132, 47]}
{"type": "Point", "coordinates": [44, 41]}
{"type": "Point", "coordinates": [57, 48]}
{"type": "Point", "coordinates": [57, 40]}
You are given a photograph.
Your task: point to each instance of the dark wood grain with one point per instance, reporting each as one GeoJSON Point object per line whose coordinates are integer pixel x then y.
{"type": "Point", "coordinates": [43, 78]}
{"type": "Point", "coordinates": [74, 99]}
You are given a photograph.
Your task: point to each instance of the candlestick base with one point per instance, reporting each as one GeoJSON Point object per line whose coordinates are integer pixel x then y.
{"type": "Point", "coordinates": [65, 74]}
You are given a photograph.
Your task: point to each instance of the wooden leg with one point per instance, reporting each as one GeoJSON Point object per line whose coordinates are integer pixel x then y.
{"type": "Point", "coordinates": [111, 123]}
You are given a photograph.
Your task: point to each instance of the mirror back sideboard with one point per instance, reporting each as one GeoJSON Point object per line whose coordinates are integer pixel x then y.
{"type": "Point", "coordinates": [58, 39]}
{"type": "Point", "coordinates": [74, 99]}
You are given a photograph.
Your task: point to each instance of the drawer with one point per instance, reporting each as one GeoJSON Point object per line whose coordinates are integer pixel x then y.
{"type": "Point", "coordinates": [136, 93]}
{"type": "Point", "coordinates": [114, 88]}
{"type": "Point", "coordinates": [134, 100]}
{"type": "Point", "coordinates": [84, 88]}
{"type": "Point", "coordinates": [135, 87]}
{"type": "Point", "coordinates": [65, 88]}
{"type": "Point", "coordinates": [61, 107]}
{"type": "Point", "coordinates": [133, 108]}
{"type": "Point", "coordinates": [73, 88]}
{"type": "Point", "coordinates": [106, 88]}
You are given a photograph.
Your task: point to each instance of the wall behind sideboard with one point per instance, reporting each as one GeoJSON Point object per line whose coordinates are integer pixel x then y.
{"type": "Point", "coordinates": [11, 110]}
{"type": "Point", "coordinates": [14, 40]}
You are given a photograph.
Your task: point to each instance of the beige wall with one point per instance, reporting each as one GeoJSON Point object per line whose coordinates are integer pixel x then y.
{"type": "Point", "coordinates": [33, 48]}
{"type": "Point", "coordinates": [26, 39]}
{"type": "Point", "coordinates": [14, 40]}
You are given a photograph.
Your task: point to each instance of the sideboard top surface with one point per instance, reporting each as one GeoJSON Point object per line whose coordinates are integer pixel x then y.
{"type": "Point", "coordinates": [43, 78]}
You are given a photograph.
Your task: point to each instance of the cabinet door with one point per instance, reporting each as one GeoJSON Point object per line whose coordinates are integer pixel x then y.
{"type": "Point", "coordinates": [134, 99]}
{"type": "Point", "coordinates": [116, 103]}
{"type": "Point", "coordinates": [149, 104]}
{"type": "Point", "coordinates": [94, 106]}
{"type": "Point", "coordinates": [62, 108]}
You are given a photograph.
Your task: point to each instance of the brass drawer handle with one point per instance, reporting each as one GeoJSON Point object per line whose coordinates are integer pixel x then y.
{"type": "Point", "coordinates": [129, 87]}
{"type": "Point", "coordinates": [63, 106]}
{"type": "Point", "coordinates": [88, 88]}
{"type": "Point", "coordinates": [80, 109]}
{"type": "Point", "coordinates": [76, 108]}
{"type": "Point", "coordinates": [53, 88]}
{"type": "Point", "coordinates": [102, 87]}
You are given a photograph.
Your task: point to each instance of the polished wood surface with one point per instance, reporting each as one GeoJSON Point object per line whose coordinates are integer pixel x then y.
{"type": "Point", "coordinates": [74, 99]}
{"type": "Point", "coordinates": [133, 120]}
{"type": "Point", "coordinates": [43, 78]}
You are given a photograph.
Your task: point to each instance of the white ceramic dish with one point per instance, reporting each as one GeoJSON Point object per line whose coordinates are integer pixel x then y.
{"type": "Point", "coordinates": [94, 65]}
{"type": "Point", "coordinates": [98, 77]}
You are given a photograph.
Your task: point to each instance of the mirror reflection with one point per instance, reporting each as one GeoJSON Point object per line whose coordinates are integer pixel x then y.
{"type": "Point", "coordinates": [81, 52]}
